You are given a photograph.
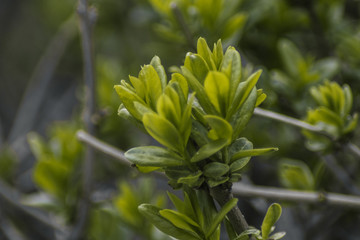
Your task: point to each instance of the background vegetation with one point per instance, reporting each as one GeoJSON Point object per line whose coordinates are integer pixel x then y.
{"type": "Point", "coordinates": [299, 45]}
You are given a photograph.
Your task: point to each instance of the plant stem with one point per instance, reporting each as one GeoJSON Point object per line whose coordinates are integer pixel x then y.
{"type": "Point", "coordinates": [87, 17]}
{"type": "Point", "coordinates": [222, 195]}
{"type": "Point", "coordinates": [102, 146]}
{"type": "Point", "coordinates": [341, 175]}
{"type": "Point", "coordinates": [184, 27]}
{"type": "Point", "coordinates": [241, 189]}
{"type": "Point", "coordinates": [285, 119]}
{"type": "Point", "coordinates": [301, 124]}
{"type": "Point", "coordinates": [353, 148]}
{"type": "Point", "coordinates": [245, 190]}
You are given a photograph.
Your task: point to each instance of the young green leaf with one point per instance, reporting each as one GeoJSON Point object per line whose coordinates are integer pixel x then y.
{"type": "Point", "coordinates": [204, 51]}
{"type": "Point", "coordinates": [220, 128]}
{"type": "Point", "coordinates": [180, 220]}
{"type": "Point", "coordinates": [220, 216]}
{"type": "Point", "coordinates": [243, 90]}
{"type": "Point", "coordinates": [197, 65]}
{"type": "Point", "coordinates": [231, 66]}
{"type": "Point", "coordinates": [156, 63]}
{"type": "Point", "coordinates": [163, 131]}
{"type": "Point", "coordinates": [209, 149]}
{"type": "Point", "coordinates": [164, 225]}
{"type": "Point", "coordinates": [272, 215]}
{"type": "Point", "coordinates": [215, 169]}
{"type": "Point", "coordinates": [251, 153]}
{"type": "Point", "coordinates": [217, 87]}
{"type": "Point", "coordinates": [153, 157]}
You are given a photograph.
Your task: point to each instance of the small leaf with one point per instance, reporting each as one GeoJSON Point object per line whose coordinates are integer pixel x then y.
{"type": "Point", "coordinates": [156, 63]}
{"type": "Point", "coordinates": [163, 131]}
{"type": "Point", "coordinates": [220, 216]}
{"type": "Point", "coordinates": [179, 220]}
{"type": "Point", "coordinates": [218, 53]}
{"type": "Point", "coordinates": [243, 91]}
{"type": "Point", "coordinates": [152, 213]}
{"type": "Point", "coordinates": [209, 149]}
{"type": "Point", "coordinates": [192, 180]}
{"type": "Point", "coordinates": [231, 66]}
{"type": "Point", "coordinates": [272, 215]}
{"type": "Point", "coordinates": [204, 51]}
{"type": "Point", "coordinates": [220, 128]}
{"type": "Point", "coordinates": [197, 65]}
{"type": "Point", "coordinates": [216, 182]}
{"type": "Point", "coordinates": [260, 97]}
{"type": "Point", "coordinates": [250, 231]}
{"type": "Point", "coordinates": [278, 235]}
{"type": "Point", "coordinates": [128, 98]}
{"type": "Point", "coordinates": [296, 175]}
{"type": "Point", "coordinates": [215, 169]}
{"type": "Point", "coordinates": [217, 87]}
{"type": "Point", "coordinates": [290, 56]}
{"type": "Point", "coordinates": [241, 118]}
{"type": "Point", "coordinates": [233, 25]}
{"type": "Point", "coordinates": [153, 84]}
{"type": "Point", "coordinates": [252, 152]}
{"type": "Point", "coordinates": [153, 157]}
{"type": "Point", "coordinates": [239, 164]}
{"type": "Point", "coordinates": [198, 88]}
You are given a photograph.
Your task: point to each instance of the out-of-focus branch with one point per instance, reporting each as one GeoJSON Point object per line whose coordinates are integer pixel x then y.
{"type": "Point", "coordinates": [245, 190]}
{"type": "Point", "coordinates": [87, 18]}
{"type": "Point", "coordinates": [32, 222]}
{"type": "Point", "coordinates": [27, 113]}
{"type": "Point", "coordinates": [102, 146]}
{"type": "Point", "coordinates": [341, 175]}
{"type": "Point", "coordinates": [184, 27]}
{"type": "Point", "coordinates": [353, 148]}
{"type": "Point", "coordinates": [285, 119]}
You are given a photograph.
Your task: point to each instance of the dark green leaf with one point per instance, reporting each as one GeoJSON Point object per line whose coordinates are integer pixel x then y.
{"type": "Point", "coordinates": [209, 149]}
{"type": "Point", "coordinates": [152, 213]}
{"type": "Point", "coordinates": [215, 169]}
{"type": "Point", "coordinates": [153, 157]}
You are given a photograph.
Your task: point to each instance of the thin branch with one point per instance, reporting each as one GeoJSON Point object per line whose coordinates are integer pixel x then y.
{"type": "Point", "coordinates": [285, 119]}
{"type": "Point", "coordinates": [31, 220]}
{"type": "Point", "coordinates": [102, 146]}
{"type": "Point", "coordinates": [27, 113]}
{"type": "Point", "coordinates": [184, 27]}
{"type": "Point", "coordinates": [341, 175]}
{"type": "Point", "coordinates": [108, 149]}
{"type": "Point", "coordinates": [353, 148]}
{"type": "Point", "coordinates": [245, 190]}
{"type": "Point", "coordinates": [87, 17]}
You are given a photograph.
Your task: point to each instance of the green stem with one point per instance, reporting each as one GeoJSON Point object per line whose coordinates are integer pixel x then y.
{"type": "Point", "coordinates": [222, 194]}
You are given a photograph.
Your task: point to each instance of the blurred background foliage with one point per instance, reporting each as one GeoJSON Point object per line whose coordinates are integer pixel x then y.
{"type": "Point", "coordinates": [299, 45]}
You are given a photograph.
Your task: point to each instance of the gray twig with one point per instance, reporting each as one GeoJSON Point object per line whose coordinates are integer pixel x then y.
{"type": "Point", "coordinates": [341, 175]}
{"type": "Point", "coordinates": [102, 146]}
{"type": "Point", "coordinates": [245, 190]}
{"type": "Point", "coordinates": [285, 119]}
{"type": "Point", "coordinates": [87, 18]}
{"type": "Point", "coordinates": [32, 222]}
{"type": "Point", "coordinates": [241, 189]}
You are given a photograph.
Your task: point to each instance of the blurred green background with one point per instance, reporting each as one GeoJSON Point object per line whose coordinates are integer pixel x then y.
{"type": "Point", "coordinates": [298, 44]}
